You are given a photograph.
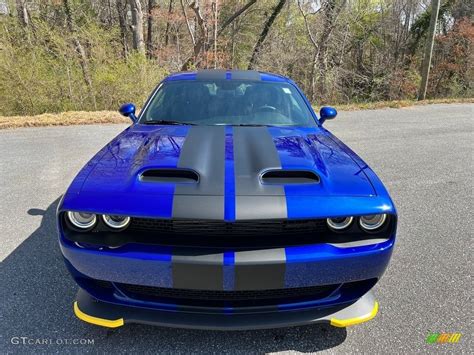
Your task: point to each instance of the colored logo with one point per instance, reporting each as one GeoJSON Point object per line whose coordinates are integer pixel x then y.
{"type": "Point", "coordinates": [443, 338]}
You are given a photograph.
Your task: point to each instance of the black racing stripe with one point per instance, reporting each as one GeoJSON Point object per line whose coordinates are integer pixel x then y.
{"type": "Point", "coordinates": [204, 152]}
{"type": "Point", "coordinates": [260, 269]}
{"type": "Point", "coordinates": [254, 152]}
{"type": "Point", "coordinates": [211, 74]}
{"type": "Point", "coordinates": [245, 75]}
{"type": "Point", "coordinates": [197, 269]}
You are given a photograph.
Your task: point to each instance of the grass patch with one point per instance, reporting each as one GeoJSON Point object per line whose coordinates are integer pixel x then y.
{"type": "Point", "coordinates": [62, 119]}
{"type": "Point", "coordinates": [107, 117]}
{"type": "Point", "coordinates": [398, 104]}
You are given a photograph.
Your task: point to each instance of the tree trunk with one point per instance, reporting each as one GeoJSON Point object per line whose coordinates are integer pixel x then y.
{"type": "Point", "coordinates": [122, 17]}
{"type": "Point", "coordinates": [232, 53]}
{"type": "Point", "coordinates": [312, 88]}
{"type": "Point", "coordinates": [332, 11]}
{"type": "Point", "coordinates": [314, 61]}
{"type": "Point", "coordinates": [167, 31]}
{"type": "Point", "coordinates": [137, 26]}
{"type": "Point", "coordinates": [198, 40]}
{"type": "Point", "coordinates": [263, 35]}
{"type": "Point", "coordinates": [197, 43]}
{"type": "Point", "coordinates": [80, 51]}
{"type": "Point", "coordinates": [22, 13]}
{"type": "Point", "coordinates": [215, 5]}
{"type": "Point", "coordinates": [149, 37]}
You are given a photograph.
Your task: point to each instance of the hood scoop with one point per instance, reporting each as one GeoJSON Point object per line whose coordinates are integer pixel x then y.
{"type": "Point", "coordinates": [185, 176]}
{"type": "Point", "coordinates": [284, 177]}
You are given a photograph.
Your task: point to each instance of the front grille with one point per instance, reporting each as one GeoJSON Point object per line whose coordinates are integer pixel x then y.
{"type": "Point", "coordinates": [211, 298]}
{"type": "Point", "coordinates": [183, 227]}
{"type": "Point", "coordinates": [238, 235]}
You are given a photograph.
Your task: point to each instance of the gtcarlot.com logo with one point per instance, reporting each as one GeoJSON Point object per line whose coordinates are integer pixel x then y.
{"type": "Point", "coordinates": [50, 341]}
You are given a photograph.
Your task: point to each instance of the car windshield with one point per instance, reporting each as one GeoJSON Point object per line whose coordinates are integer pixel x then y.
{"type": "Point", "coordinates": [228, 102]}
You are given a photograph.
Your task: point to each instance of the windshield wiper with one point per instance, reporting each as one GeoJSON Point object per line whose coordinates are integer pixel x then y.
{"type": "Point", "coordinates": [170, 122]}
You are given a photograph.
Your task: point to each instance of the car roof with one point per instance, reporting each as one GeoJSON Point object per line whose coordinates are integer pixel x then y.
{"type": "Point", "coordinates": [222, 74]}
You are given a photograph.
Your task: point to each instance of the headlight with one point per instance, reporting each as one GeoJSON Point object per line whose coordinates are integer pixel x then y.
{"type": "Point", "coordinates": [339, 223]}
{"type": "Point", "coordinates": [82, 220]}
{"type": "Point", "coordinates": [372, 222]}
{"type": "Point", "coordinates": [116, 222]}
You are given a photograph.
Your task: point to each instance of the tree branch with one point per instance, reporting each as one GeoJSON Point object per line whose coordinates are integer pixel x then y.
{"type": "Point", "coordinates": [235, 15]}
{"type": "Point", "coordinates": [188, 26]}
{"type": "Point", "coordinates": [308, 30]}
{"type": "Point", "coordinates": [263, 35]}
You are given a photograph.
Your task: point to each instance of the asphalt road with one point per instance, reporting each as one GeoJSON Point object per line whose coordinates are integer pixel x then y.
{"type": "Point", "coordinates": [424, 155]}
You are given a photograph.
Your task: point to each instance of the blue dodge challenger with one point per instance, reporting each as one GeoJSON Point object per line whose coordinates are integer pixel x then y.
{"type": "Point", "coordinates": [226, 205]}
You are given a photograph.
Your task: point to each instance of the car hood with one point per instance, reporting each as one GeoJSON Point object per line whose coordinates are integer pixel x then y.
{"type": "Point", "coordinates": [223, 156]}
{"type": "Point", "coordinates": [228, 163]}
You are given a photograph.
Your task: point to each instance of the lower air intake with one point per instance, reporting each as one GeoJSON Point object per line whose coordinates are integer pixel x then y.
{"type": "Point", "coordinates": [210, 298]}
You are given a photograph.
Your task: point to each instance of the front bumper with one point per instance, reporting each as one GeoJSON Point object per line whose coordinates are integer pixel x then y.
{"type": "Point", "coordinates": [225, 288]}
{"type": "Point", "coordinates": [147, 286]}
{"type": "Point", "coordinates": [110, 315]}
{"type": "Point", "coordinates": [218, 269]}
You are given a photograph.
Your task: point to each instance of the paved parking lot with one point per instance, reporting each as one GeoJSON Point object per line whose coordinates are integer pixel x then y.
{"type": "Point", "coordinates": [424, 155]}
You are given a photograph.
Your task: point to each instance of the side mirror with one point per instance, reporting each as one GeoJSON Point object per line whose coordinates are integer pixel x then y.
{"type": "Point", "coordinates": [327, 113]}
{"type": "Point", "coordinates": [128, 110]}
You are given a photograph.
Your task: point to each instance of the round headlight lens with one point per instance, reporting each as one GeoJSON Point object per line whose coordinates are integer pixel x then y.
{"type": "Point", "coordinates": [116, 222]}
{"type": "Point", "coordinates": [372, 222]}
{"type": "Point", "coordinates": [82, 220]}
{"type": "Point", "coordinates": [339, 223]}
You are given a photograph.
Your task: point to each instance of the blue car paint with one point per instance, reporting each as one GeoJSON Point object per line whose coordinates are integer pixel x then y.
{"type": "Point", "coordinates": [229, 271]}
{"type": "Point", "coordinates": [229, 202]}
{"type": "Point", "coordinates": [327, 113]}
{"type": "Point", "coordinates": [336, 298]}
{"type": "Point", "coordinates": [319, 264]}
{"type": "Point", "coordinates": [128, 110]}
{"type": "Point", "coordinates": [109, 184]}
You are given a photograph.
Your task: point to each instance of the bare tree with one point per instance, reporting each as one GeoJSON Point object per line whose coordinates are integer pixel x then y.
{"type": "Point", "coordinates": [149, 37]}
{"type": "Point", "coordinates": [314, 43]}
{"type": "Point", "coordinates": [263, 35]}
{"type": "Point", "coordinates": [338, 51]}
{"type": "Point", "coordinates": [215, 13]}
{"type": "Point", "coordinates": [199, 40]}
{"type": "Point", "coordinates": [331, 11]}
{"type": "Point", "coordinates": [235, 15]}
{"type": "Point", "coordinates": [167, 30]}
{"type": "Point", "coordinates": [80, 51]}
{"type": "Point", "coordinates": [137, 26]}
{"type": "Point", "coordinates": [231, 19]}
{"type": "Point", "coordinates": [122, 17]}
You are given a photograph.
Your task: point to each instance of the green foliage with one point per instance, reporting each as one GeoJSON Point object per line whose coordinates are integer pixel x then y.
{"type": "Point", "coordinates": [41, 70]}
{"type": "Point", "coordinates": [360, 51]}
{"type": "Point", "coordinates": [121, 81]}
